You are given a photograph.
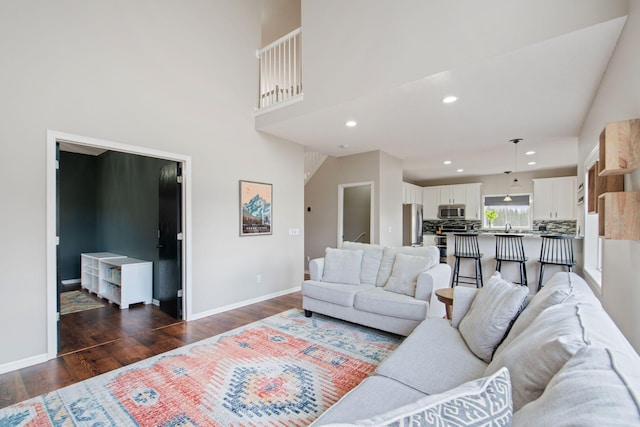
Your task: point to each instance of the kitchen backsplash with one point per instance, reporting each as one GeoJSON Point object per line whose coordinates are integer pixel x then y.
{"type": "Point", "coordinates": [557, 227]}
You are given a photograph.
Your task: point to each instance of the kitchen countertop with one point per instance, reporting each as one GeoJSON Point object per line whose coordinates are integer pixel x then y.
{"type": "Point", "coordinates": [523, 233]}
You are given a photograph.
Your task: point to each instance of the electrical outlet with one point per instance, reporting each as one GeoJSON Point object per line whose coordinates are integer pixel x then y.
{"type": "Point", "coordinates": [259, 278]}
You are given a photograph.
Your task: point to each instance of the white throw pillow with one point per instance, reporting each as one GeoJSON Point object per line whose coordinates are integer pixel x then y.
{"type": "Point", "coordinates": [404, 276]}
{"type": "Point", "coordinates": [485, 401]}
{"type": "Point", "coordinates": [491, 314]}
{"type": "Point", "coordinates": [342, 266]}
{"type": "Point", "coordinates": [389, 256]}
{"type": "Point", "coordinates": [596, 387]}
{"type": "Point", "coordinates": [371, 260]}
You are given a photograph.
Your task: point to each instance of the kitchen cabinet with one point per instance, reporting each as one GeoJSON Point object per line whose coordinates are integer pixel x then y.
{"type": "Point", "coordinates": [430, 202]}
{"type": "Point", "coordinates": [473, 201]}
{"type": "Point", "coordinates": [554, 198]}
{"type": "Point", "coordinates": [411, 193]}
{"type": "Point", "coordinates": [461, 194]}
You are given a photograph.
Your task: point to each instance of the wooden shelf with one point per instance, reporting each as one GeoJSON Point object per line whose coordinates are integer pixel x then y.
{"type": "Point", "coordinates": [620, 147]}
{"type": "Point", "coordinates": [619, 215]}
{"type": "Point", "coordinates": [598, 185]}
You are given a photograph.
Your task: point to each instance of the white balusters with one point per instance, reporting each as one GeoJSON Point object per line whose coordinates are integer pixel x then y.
{"type": "Point", "coordinates": [280, 70]}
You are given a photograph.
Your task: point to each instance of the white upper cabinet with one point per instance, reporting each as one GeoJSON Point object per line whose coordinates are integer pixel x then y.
{"type": "Point", "coordinates": [430, 202]}
{"type": "Point", "coordinates": [411, 193]}
{"type": "Point", "coordinates": [473, 201]}
{"type": "Point", "coordinates": [462, 194]}
{"type": "Point", "coordinates": [554, 198]}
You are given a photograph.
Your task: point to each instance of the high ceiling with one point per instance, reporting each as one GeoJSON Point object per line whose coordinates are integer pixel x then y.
{"type": "Point", "coordinates": [540, 92]}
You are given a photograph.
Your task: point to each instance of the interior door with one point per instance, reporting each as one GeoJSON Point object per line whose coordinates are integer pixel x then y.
{"type": "Point", "coordinates": [169, 280]}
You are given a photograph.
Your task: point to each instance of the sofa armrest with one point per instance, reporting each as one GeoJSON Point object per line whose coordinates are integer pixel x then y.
{"type": "Point", "coordinates": [316, 269]}
{"type": "Point", "coordinates": [434, 278]}
{"type": "Point", "coordinates": [462, 299]}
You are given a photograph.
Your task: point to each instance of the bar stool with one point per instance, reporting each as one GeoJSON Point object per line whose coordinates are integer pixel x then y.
{"type": "Point", "coordinates": [466, 247]}
{"type": "Point", "coordinates": [556, 250]}
{"type": "Point", "coordinates": [509, 248]}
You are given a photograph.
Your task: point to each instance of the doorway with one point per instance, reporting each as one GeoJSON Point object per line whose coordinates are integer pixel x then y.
{"type": "Point", "coordinates": [181, 201]}
{"type": "Point", "coordinates": [355, 213]}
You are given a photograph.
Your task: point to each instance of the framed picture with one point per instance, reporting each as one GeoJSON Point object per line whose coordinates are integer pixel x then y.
{"type": "Point", "coordinates": [255, 208]}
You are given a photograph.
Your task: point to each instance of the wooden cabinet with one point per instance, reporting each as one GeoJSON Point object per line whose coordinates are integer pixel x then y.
{"type": "Point", "coordinates": [554, 198]}
{"type": "Point", "coordinates": [618, 211]}
{"type": "Point", "coordinates": [125, 281]}
{"type": "Point", "coordinates": [90, 269]}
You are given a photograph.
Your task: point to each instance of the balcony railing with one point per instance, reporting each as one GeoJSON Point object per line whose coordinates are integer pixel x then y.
{"type": "Point", "coordinates": [280, 70]}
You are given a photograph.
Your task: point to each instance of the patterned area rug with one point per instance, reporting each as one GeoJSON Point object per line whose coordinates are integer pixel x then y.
{"type": "Point", "coordinates": [284, 370]}
{"type": "Point", "coordinates": [74, 301]}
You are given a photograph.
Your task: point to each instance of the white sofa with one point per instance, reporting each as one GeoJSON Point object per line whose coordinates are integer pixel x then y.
{"type": "Point", "coordinates": [562, 362]}
{"type": "Point", "coordinates": [387, 288]}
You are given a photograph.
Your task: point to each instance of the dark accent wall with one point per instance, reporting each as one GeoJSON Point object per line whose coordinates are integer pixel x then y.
{"type": "Point", "coordinates": [127, 207]}
{"type": "Point", "coordinates": [77, 211]}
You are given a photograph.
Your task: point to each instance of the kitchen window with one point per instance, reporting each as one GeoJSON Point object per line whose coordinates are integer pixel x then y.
{"type": "Point", "coordinates": [517, 211]}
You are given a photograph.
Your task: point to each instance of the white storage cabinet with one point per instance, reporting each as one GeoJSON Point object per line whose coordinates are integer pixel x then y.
{"type": "Point", "coordinates": [90, 269]}
{"type": "Point", "coordinates": [125, 281]}
{"type": "Point", "coordinates": [554, 198]}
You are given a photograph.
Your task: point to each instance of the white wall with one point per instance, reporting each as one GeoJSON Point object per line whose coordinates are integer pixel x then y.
{"type": "Point", "coordinates": [618, 98]}
{"type": "Point", "coordinates": [279, 17]}
{"type": "Point", "coordinates": [162, 75]}
{"type": "Point", "coordinates": [321, 195]}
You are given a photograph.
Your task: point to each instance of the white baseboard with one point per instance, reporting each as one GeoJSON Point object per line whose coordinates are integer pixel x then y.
{"type": "Point", "coordinates": [70, 281]}
{"type": "Point", "coordinates": [155, 302]}
{"type": "Point", "coordinates": [23, 363]}
{"type": "Point", "coordinates": [218, 310]}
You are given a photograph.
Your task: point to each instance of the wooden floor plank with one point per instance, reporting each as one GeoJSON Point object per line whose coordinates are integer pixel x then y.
{"type": "Point", "coordinates": [123, 337]}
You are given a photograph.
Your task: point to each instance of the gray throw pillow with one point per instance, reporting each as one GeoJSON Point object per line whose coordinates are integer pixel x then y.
{"type": "Point", "coordinates": [342, 266]}
{"type": "Point", "coordinates": [404, 276]}
{"type": "Point", "coordinates": [481, 402]}
{"type": "Point", "coordinates": [491, 314]}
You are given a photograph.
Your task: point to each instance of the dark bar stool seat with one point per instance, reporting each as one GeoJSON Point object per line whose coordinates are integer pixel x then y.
{"type": "Point", "coordinates": [509, 248]}
{"type": "Point", "coordinates": [556, 250]}
{"type": "Point", "coordinates": [466, 247]}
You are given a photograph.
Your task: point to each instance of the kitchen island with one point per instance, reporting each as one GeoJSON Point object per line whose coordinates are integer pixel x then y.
{"type": "Point", "coordinates": [510, 270]}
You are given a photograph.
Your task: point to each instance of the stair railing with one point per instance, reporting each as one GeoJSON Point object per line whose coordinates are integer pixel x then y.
{"type": "Point", "coordinates": [280, 70]}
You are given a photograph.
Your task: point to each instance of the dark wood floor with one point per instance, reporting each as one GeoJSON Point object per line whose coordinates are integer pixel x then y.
{"type": "Point", "coordinates": [123, 337]}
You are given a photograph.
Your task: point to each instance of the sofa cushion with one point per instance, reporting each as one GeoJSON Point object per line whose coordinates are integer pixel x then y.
{"type": "Point", "coordinates": [371, 260]}
{"type": "Point", "coordinates": [389, 256]}
{"type": "Point", "coordinates": [538, 353]}
{"type": "Point", "coordinates": [377, 300]}
{"type": "Point", "coordinates": [596, 387]}
{"type": "Point", "coordinates": [342, 266]}
{"type": "Point", "coordinates": [491, 314]}
{"type": "Point", "coordinates": [404, 276]}
{"type": "Point", "coordinates": [433, 359]}
{"type": "Point", "coordinates": [485, 401]}
{"type": "Point", "coordinates": [334, 293]}
{"type": "Point", "coordinates": [375, 395]}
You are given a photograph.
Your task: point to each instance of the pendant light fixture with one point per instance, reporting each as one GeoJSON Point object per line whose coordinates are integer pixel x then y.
{"type": "Point", "coordinates": [507, 198]}
{"type": "Point", "coordinates": [515, 185]}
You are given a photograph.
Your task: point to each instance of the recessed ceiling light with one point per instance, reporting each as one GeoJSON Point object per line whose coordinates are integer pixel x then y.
{"type": "Point", "coordinates": [447, 162]}
{"type": "Point", "coordinates": [531, 163]}
{"type": "Point", "coordinates": [344, 146]}
{"type": "Point", "coordinates": [529, 153]}
{"type": "Point", "coordinates": [460, 170]}
{"type": "Point", "coordinates": [449, 99]}
{"type": "Point", "coordinates": [351, 123]}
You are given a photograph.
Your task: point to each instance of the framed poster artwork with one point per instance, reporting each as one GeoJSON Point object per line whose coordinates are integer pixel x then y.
{"type": "Point", "coordinates": [255, 208]}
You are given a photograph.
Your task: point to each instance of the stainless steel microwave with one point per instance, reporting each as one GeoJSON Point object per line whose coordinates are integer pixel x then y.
{"type": "Point", "coordinates": [451, 211]}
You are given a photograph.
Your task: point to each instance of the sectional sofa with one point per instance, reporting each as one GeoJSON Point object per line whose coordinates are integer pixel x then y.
{"type": "Point", "coordinates": [387, 288]}
{"type": "Point", "coordinates": [505, 359]}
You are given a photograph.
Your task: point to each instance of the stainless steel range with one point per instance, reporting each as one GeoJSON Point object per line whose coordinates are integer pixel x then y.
{"type": "Point", "coordinates": [441, 237]}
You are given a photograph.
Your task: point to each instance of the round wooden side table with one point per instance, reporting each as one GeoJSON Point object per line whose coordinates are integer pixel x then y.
{"type": "Point", "coordinates": [445, 296]}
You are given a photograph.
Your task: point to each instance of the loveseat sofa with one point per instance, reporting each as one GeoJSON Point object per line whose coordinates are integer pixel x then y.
{"type": "Point", "coordinates": [562, 362]}
{"type": "Point", "coordinates": [387, 288]}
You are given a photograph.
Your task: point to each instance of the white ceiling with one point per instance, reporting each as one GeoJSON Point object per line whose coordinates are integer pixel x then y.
{"type": "Point", "coordinates": [540, 93]}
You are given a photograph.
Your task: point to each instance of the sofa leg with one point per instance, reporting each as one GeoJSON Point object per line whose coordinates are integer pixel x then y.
{"type": "Point", "coordinates": [308, 313]}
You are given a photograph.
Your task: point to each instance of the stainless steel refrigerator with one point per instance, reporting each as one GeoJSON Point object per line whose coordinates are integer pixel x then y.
{"type": "Point", "coordinates": [412, 225]}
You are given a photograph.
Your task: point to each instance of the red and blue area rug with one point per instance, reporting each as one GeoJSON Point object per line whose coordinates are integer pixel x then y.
{"type": "Point", "coordinates": [284, 370]}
